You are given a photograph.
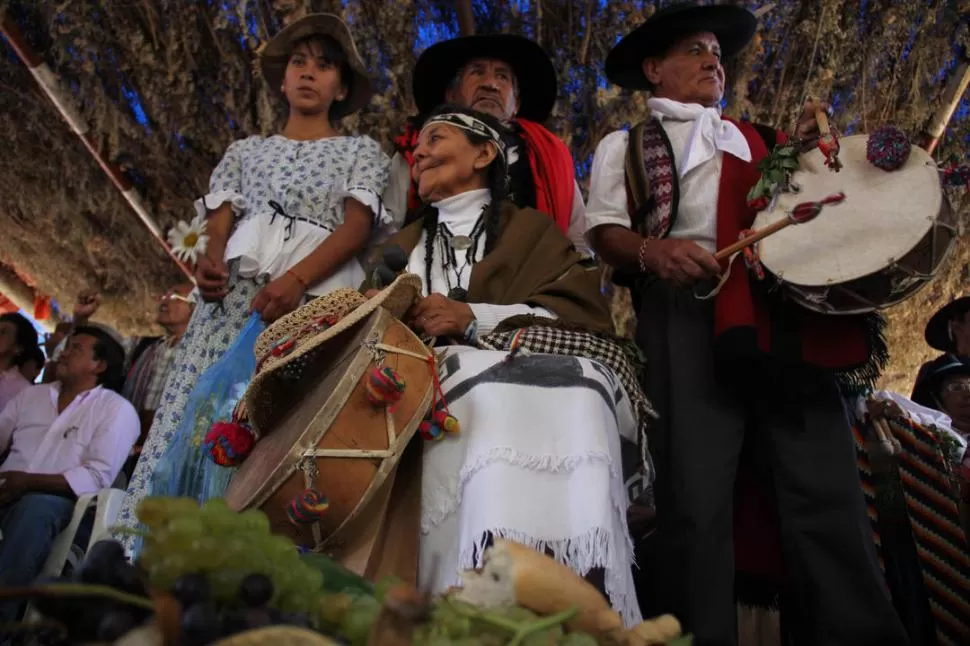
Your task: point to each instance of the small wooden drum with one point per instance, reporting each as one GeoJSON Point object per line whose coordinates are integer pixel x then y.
{"type": "Point", "coordinates": [880, 246]}
{"type": "Point", "coordinates": [330, 437]}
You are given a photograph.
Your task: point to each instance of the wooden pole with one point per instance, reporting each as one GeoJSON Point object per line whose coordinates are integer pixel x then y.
{"type": "Point", "coordinates": [466, 17]}
{"type": "Point", "coordinates": [49, 83]}
{"type": "Point", "coordinates": [955, 90]}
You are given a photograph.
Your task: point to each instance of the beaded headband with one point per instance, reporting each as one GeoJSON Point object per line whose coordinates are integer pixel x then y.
{"type": "Point", "coordinates": [470, 124]}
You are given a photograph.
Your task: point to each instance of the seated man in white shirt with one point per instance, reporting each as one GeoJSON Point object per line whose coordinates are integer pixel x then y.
{"type": "Point", "coordinates": [66, 439]}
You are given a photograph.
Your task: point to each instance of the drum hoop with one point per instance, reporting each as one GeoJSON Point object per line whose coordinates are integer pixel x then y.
{"type": "Point", "coordinates": [803, 296]}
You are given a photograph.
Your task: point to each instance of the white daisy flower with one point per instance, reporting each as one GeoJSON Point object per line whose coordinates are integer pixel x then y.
{"type": "Point", "coordinates": [188, 239]}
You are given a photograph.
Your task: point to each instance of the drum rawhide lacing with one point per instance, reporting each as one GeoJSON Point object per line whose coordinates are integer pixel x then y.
{"type": "Point", "coordinates": [308, 508]}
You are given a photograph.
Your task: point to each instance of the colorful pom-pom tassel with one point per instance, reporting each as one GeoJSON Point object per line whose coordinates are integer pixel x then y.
{"type": "Point", "coordinates": [307, 508]}
{"type": "Point", "coordinates": [228, 443]}
{"type": "Point", "coordinates": [384, 386]}
{"type": "Point", "coordinates": [430, 431]}
{"type": "Point", "coordinates": [446, 422]}
{"type": "Point", "coordinates": [516, 346]}
{"type": "Point", "coordinates": [888, 148]}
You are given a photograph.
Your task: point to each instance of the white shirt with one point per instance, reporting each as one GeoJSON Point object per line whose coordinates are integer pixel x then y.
{"type": "Point", "coordinates": [12, 381]}
{"type": "Point", "coordinates": [460, 214]}
{"type": "Point", "coordinates": [697, 156]}
{"type": "Point", "coordinates": [87, 442]}
{"type": "Point", "coordinates": [399, 182]}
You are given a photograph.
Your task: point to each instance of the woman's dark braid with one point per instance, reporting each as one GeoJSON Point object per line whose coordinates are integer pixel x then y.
{"type": "Point", "coordinates": [498, 185]}
{"type": "Point", "coordinates": [430, 220]}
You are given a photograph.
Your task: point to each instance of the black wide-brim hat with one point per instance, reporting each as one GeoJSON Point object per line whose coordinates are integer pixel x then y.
{"type": "Point", "coordinates": [932, 374]}
{"type": "Point", "coordinates": [732, 25]}
{"type": "Point", "coordinates": [534, 73]}
{"type": "Point", "coordinates": [937, 332]}
{"type": "Point", "coordinates": [276, 55]}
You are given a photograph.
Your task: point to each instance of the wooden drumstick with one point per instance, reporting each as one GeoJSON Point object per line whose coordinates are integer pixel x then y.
{"type": "Point", "coordinates": [760, 234]}
{"type": "Point", "coordinates": [802, 213]}
{"type": "Point", "coordinates": [821, 117]}
{"type": "Point", "coordinates": [828, 144]}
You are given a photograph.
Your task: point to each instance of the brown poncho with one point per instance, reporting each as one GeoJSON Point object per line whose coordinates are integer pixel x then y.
{"type": "Point", "coordinates": [533, 263]}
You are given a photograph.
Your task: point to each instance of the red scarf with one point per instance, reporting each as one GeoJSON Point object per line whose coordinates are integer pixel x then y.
{"type": "Point", "coordinates": [552, 171]}
{"type": "Point", "coordinates": [745, 321]}
{"type": "Point", "coordinates": [550, 161]}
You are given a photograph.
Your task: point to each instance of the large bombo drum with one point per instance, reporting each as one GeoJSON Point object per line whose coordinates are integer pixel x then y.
{"type": "Point", "coordinates": [325, 434]}
{"type": "Point", "coordinates": [878, 247]}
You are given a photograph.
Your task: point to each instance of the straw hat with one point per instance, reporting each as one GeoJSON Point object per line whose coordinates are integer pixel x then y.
{"type": "Point", "coordinates": [287, 346]}
{"type": "Point", "coordinates": [276, 54]}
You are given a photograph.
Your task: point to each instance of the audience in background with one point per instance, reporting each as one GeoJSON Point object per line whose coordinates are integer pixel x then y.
{"type": "Point", "coordinates": [152, 358]}
{"type": "Point", "coordinates": [33, 364]}
{"type": "Point", "coordinates": [18, 343]}
{"type": "Point", "coordinates": [66, 439]}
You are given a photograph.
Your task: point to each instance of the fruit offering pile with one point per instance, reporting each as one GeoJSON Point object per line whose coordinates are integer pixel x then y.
{"type": "Point", "coordinates": [207, 574]}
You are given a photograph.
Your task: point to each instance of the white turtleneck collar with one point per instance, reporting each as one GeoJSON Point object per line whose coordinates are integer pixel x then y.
{"type": "Point", "coordinates": [463, 208]}
{"type": "Point", "coordinates": [709, 134]}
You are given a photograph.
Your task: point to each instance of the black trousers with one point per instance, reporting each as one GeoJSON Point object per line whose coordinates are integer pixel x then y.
{"type": "Point", "coordinates": [835, 592]}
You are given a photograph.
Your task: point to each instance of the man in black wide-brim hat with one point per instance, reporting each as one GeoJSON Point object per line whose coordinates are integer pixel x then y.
{"type": "Point", "coordinates": [736, 366]}
{"type": "Point", "coordinates": [948, 331]}
{"type": "Point", "coordinates": [511, 78]}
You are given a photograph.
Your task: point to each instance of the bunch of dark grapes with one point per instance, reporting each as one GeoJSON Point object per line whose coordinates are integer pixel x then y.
{"type": "Point", "coordinates": [98, 618]}
{"type": "Point", "coordinates": [204, 620]}
{"type": "Point", "coordinates": [227, 572]}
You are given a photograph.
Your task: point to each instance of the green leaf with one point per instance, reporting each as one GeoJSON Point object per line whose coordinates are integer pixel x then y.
{"type": "Point", "coordinates": [790, 163]}
{"type": "Point", "coordinates": [787, 151]}
{"type": "Point", "coordinates": [683, 640]}
{"type": "Point", "coordinates": [337, 578]}
{"type": "Point", "coordinates": [757, 190]}
{"type": "Point", "coordinates": [776, 176]}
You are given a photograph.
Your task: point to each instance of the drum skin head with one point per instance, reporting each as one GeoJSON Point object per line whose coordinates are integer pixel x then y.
{"type": "Point", "coordinates": [885, 215]}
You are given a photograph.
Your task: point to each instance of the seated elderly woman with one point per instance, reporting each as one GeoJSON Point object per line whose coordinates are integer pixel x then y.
{"type": "Point", "coordinates": [543, 391]}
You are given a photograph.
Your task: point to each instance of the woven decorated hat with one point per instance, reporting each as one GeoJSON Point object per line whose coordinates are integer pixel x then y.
{"type": "Point", "coordinates": [286, 347]}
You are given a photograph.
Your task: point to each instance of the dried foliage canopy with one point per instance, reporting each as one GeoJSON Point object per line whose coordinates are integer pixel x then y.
{"type": "Point", "coordinates": [166, 84]}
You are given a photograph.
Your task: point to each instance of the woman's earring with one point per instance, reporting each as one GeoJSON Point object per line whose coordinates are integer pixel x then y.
{"type": "Point", "coordinates": [282, 89]}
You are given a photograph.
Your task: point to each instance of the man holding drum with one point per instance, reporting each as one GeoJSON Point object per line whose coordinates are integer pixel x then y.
{"type": "Point", "coordinates": [737, 366]}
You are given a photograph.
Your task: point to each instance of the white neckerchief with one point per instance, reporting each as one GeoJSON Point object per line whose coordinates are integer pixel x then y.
{"type": "Point", "coordinates": [709, 134]}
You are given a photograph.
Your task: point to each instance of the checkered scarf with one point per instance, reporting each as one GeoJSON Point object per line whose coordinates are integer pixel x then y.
{"type": "Point", "coordinates": [547, 336]}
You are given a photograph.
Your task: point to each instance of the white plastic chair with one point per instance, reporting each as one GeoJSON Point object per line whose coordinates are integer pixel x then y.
{"type": "Point", "coordinates": [63, 552]}
{"type": "Point", "coordinates": [107, 506]}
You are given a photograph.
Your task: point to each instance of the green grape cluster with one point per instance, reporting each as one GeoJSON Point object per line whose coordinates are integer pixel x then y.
{"type": "Point", "coordinates": [349, 614]}
{"type": "Point", "coordinates": [186, 538]}
{"type": "Point", "coordinates": [453, 622]}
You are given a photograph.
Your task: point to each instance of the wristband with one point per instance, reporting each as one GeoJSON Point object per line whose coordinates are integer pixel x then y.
{"type": "Point", "coordinates": [642, 256]}
{"type": "Point", "coordinates": [298, 279]}
{"type": "Point", "coordinates": [471, 332]}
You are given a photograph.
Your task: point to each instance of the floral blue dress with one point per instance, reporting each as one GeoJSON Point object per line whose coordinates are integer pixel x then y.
{"type": "Point", "coordinates": [287, 196]}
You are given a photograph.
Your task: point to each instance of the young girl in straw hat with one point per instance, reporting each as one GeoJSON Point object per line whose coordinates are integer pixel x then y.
{"type": "Point", "coordinates": [287, 218]}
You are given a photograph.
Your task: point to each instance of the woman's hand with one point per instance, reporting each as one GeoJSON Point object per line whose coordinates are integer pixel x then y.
{"type": "Point", "coordinates": [436, 315]}
{"type": "Point", "coordinates": [212, 278]}
{"type": "Point", "coordinates": [280, 297]}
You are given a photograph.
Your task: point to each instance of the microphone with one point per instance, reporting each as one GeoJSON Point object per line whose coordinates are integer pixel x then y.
{"type": "Point", "coordinates": [395, 258]}
{"type": "Point", "coordinates": [393, 263]}
{"type": "Point", "coordinates": [383, 276]}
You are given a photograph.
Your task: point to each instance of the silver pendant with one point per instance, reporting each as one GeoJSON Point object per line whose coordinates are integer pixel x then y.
{"type": "Point", "coordinates": [460, 243]}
